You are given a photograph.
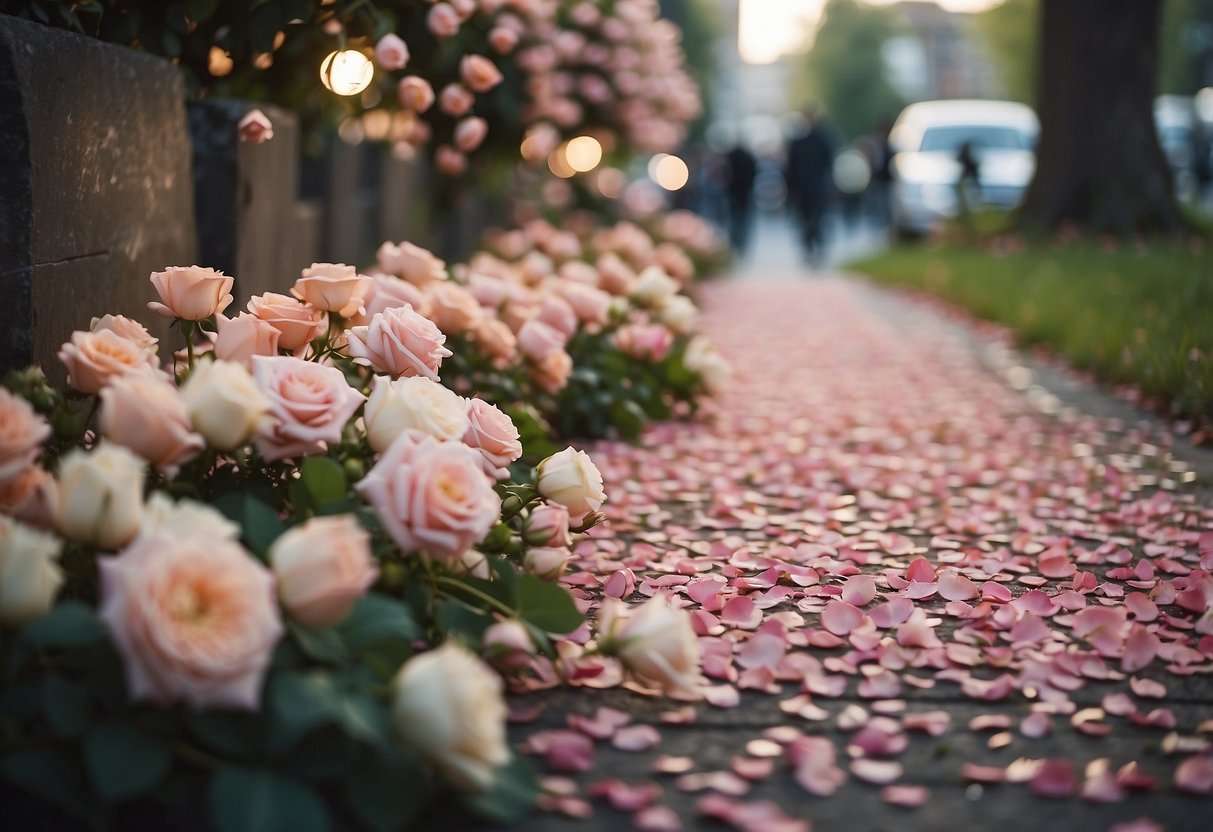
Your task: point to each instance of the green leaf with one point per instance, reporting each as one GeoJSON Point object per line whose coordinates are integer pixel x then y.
{"type": "Point", "coordinates": [376, 619]}
{"type": "Point", "coordinates": [322, 480]}
{"type": "Point", "coordinates": [389, 792]}
{"type": "Point", "coordinates": [45, 773]}
{"type": "Point", "coordinates": [259, 523]}
{"type": "Point", "coordinates": [301, 702]}
{"type": "Point", "coordinates": [226, 733]}
{"type": "Point", "coordinates": [512, 796]}
{"type": "Point", "coordinates": [322, 645]}
{"type": "Point", "coordinates": [456, 619]}
{"type": "Point", "coordinates": [124, 761]}
{"type": "Point", "coordinates": [70, 624]}
{"type": "Point", "coordinates": [66, 705]}
{"type": "Point", "coordinates": [547, 605]}
{"type": "Point", "coordinates": [254, 800]}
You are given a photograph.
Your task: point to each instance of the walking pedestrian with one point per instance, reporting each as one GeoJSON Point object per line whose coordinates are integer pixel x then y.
{"type": "Point", "coordinates": [809, 167]}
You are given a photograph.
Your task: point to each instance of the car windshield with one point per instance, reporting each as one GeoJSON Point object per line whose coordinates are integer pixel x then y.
{"type": "Point", "coordinates": [949, 138]}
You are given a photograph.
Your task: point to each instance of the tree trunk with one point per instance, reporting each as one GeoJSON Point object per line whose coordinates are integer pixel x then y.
{"type": "Point", "coordinates": [1099, 163]}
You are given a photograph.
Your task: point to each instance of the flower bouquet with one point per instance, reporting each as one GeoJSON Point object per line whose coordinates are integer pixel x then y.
{"type": "Point", "coordinates": [272, 582]}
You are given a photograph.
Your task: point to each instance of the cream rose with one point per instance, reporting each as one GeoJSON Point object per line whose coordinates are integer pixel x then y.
{"type": "Point", "coordinates": [148, 415]}
{"type": "Point", "coordinates": [309, 406]}
{"type": "Point", "coordinates": [22, 432]}
{"type": "Point", "coordinates": [413, 404]}
{"type": "Point", "coordinates": [571, 479]}
{"type": "Point", "coordinates": [297, 322]}
{"type": "Point", "coordinates": [399, 342]}
{"type": "Point", "coordinates": [194, 618]}
{"type": "Point", "coordinates": [655, 641]}
{"type": "Point", "coordinates": [323, 567]}
{"type": "Point", "coordinates": [30, 575]}
{"type": "Point", "coordinates": [94, 359]}
{"type": "Point", "coordinates": [448, 705]}
{"type": "Point", "coordinates": [547, 562]}
{"type": "Point", "coordinates": [678, 313]}
{"type": "Point", "coordinates": [224, 403]}
{"type": "Point", "coordinates": [242, 337]}
{"type": "Point", "coordinates": [653, 287]}
{"type": "Point", "coordinates": [100, 496]}
{"type": "Point", "coordinates": [191, 293]}
{"type": "Point", "coordinates": [332, 287]}
{"type": "Point", "coordinates": [493, 435]}
{"type": "Point", "coordinates": [432, 497]}
{"type": "Point", "coordinates": [164, 517]}
{"type": "Point", "coordinates": [705, 362]}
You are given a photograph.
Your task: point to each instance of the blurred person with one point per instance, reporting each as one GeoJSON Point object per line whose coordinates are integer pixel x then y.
{"type": "Point", "coordinates": [809, 174]}
{"type": "Point", "coordinates": [742, 168]}
{"type": "Point", "coordinates": [880, 157]}
{"type": "Point", "coordinates": [968, 184]}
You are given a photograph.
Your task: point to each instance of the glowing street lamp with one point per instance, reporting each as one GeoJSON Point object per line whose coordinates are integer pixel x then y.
{"type": "Point", "coordinates": [347, 72]}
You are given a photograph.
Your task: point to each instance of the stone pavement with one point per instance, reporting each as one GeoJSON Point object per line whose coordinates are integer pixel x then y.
{"type": "Point", "coordinates": [915, 573]}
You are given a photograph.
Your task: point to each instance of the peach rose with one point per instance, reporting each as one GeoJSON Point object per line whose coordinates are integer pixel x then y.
{"type": "Point", "coordinates": [242, 337]}
{"type": "Point", "coordinates": [22, 432]}
{"type": "Point", "coordinates": [537, 340]}
{"type": "Point", "coordinates": [129, 329]}
{"type": "Point", "coordinates": [415, 264]}
{"type": "Point", "coordinates": [470, 133]}
{"type": "Point", "coordinates": [479, 73]}
{"type": "Point", "coordinates": [191, 293]}
{"type": "Point", "coordinates": [30, 576]}
{"type": "Point", "coordinates": [656, 642]}
{"type": "Point", "coordinates": [492, 433]}
{"type": "Point", "coordinates": [390, 292]}
{"type": "Point", "coordinates": [148, 415]}
{"type": "Point", "coordinates": [297, 322]}
{"type": "Point", "coordinates": [31, 497]}
{"type": "Point", "coordinates": [455, 100]}
{"type": "Point", "coordinates": [552, 373]}
{"type": "Point", "coordinates": [194, 618]}
{"type": "Point", "coordinates": [323, 567]}
{"type": "Point", "coordinates": [432, 497]}
{"type": "Point", "coordinates": [412, 404]}
{"type": "Point", "coordinates": [333, 287]}
{"type": "Point", "coordinates": [497, 341]}
{"type": "Point", "coordinates": [309, 406]}
{"type": "Point", "coordinates": [571, 479]}
{"type": "Point", "coordinates": [453, 308]}
{"type": "Point", "coordinates": [399, 342]}
{"type": "Point", "coordinates": [391, 52]}
{"type": "Point", "coordinates": [100, 496]}
{"type": "Point", "coordinates": [94, 359]}
{"type": "Point", "coordinates": [415, 93]}
{"type": "Point", "coordinates": [224, 403]}
{"type": "Point", "coordinates": [644, 342]}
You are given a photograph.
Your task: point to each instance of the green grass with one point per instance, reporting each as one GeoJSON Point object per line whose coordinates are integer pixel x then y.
{"type": "Point", "coordinates": [1141, 316]}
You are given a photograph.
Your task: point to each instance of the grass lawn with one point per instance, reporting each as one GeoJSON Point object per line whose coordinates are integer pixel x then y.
{"type": "Point", "coordinates": [1139, 316]}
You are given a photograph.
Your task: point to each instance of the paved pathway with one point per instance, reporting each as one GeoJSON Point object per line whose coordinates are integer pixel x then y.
{"type": "Point", "coordinates": [861, 433]}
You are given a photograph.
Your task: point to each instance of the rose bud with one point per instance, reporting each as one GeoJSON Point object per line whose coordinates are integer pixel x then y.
{"type": "Point", "coordinates": [391, 52]}
{"type": "Point", "coordinates": [655, 641]}
{"type": "Point", "coordinates": [415, 93]}
{"type": "Point", "coordinates": [548, 525]}
{"type": "Point", "coordinates": [470, 133]}
{"type": "Point", "coordinates": [455, 100]}
{"type": "Point", "coordinates": [547, 562]}
{"type": "Point", "coordinates": [571, 479]}
{"type": "Point", "coordinates": [479, 73]}
{"type": "Point", "coordinates": [508, 646]}
{"type": "Point", "coordinates": [443, 21]}
{"type": "Point", "coordinates": [332, 287]}
{"type": "Point", "coordinates": [450, 161]}
{"type": "Point", "coordinates": [191, 293]}
{"type": "Point", "coordinates": [503, 40]}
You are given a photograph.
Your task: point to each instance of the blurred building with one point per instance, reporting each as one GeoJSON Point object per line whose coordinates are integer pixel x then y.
{"type": "Point", "coordinates": [940, 55]}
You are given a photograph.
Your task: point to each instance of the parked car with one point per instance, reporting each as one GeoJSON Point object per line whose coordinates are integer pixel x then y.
{"type": "Point", "coordinates": [927, 141]}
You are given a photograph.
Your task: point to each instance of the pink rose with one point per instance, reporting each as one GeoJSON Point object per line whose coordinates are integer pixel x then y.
{"type": "Point", "coordinates": [591, 306]}
{"type": "Point", "coordinates": [490, 292]}
{"type": "Point", "coordinates": [538, 340]}
{"type": "Point", "coordinates": [242, 337]}
{"type": "Point", "coordinates": [503, 40]}
{"type": "Point", "coordinates": [309, 406]}
{"type": "Point", "coordinates": [614, 275]}
{"type": "Point", "coordinates": [255, 127]}
{"type": "Point", "coordinates": [443, 21]}
{"type": "Point", "coordinates": [391, 52]}
{"type": "Point", "coordinates": [450, 161]}
{"type": "Point", "coordinates": [465, 8]}
{"type": "Point", "coordinates": [297, 322]}
{"type": "Point", "coordinates": [644, 342]}
{"type": "Point", "coordinates": [492, 433]}
{"type": "Point", "coordinates": [470, 133]}
{"type": "Point", "coordinates": [31, 497]}
{"type": "Point", "coordinates": [497, 340]}
{"type": "Point", "coordinates": [548, 525]}
{"type": "Point", "coordinates": [389, 292]}
{"type": "Point", "coordinates": [323, 567]}
{"type": "Point", "coordinates": [191, 293]}
{"type": "Point", "coordinates": [22, 432]}
{"type": "Point", "coordinates": [415, 264]}
{"type": "Point", "coordinates": [479, 73]}
{"type": "Point", "coordinates": [415, 93]}
{"type": "Point", "coordinates": [552, 373]}
{"type": "Point", "coordinates": [333, 287]}
{"type": "Point", "coordinates": [432, 497]}
{"type": "Point", "coordinates": [558, 313]}
{"type": "Point", "coordinates": [399, 342]}
{"type": "Point", "coordinates": [453, 308]}
{"type": "Point", "coordinates": [94, 359]}
{"type": "Point", "coordinates": [193, 617]}
{"type": "Point", "coordinates": [129, 329]}
{"type": "Point", "coordinates": [455, 100]}
{"type": "Point", "coordinates": [147, 414]}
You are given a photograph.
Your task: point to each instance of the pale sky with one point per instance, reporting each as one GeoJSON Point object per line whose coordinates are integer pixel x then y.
{"type": "Point", "coordinates": [772, 28]}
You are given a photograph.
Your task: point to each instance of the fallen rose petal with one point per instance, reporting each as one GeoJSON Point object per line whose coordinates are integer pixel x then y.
{"type": "Point", "coordinates": [877, 772]}
{"type": "Point", "coordinates": [1195, 775]}
{"type": "Point", "coordinates": [840, 618]}
{"type": "Point", "coordinates": [908, 797]}
{"type": "Point", "coordinates": [636, 738]}
{"type": "Point", "coordinates": [1054, 778]}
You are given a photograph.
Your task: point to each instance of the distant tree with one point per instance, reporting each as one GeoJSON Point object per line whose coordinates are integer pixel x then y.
{"type": "Point", "coordinates": [844, 70]}
{"type": "Point", "coordinates": [1099, 163]}
{"type": "Point", "coordinates": [701, 23]}
{"type": "Point", "coordinates": [1187, 51]}
{"type": "Point", "coordinates": [1009, 32]}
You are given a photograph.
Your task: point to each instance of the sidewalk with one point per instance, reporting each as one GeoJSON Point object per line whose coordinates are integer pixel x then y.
{"type": "Point", "coordinates": [862, 432]}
